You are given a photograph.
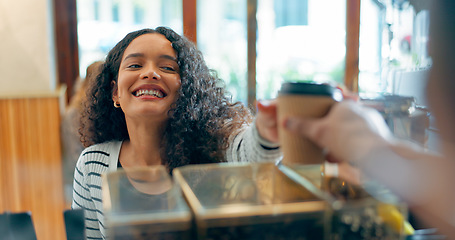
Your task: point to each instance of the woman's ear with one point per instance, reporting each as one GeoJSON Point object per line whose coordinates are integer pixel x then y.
{"type": "Point", "coordinates": [115, 97]}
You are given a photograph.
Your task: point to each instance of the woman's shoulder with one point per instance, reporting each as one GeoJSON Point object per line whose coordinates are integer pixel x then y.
{"type": "Point", "coordinates": [101, 155]}
{"type": "Point", "coordinates": [101, 148]}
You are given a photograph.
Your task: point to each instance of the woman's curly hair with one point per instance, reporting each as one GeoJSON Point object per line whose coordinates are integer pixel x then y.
{"type": "Point", "coordinates": [200, 121]}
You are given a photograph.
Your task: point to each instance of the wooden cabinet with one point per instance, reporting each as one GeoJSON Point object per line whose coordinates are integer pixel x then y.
{"type": "Point", "coordinates": [30, 161]}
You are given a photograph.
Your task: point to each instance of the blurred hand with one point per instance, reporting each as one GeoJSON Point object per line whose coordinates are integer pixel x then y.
{"type": "Point", "coordinates": [266, 120]}
{"type": "Point", "coordinates": [348, 132]}
{"type": "Point", "coordinates": [347, 94]}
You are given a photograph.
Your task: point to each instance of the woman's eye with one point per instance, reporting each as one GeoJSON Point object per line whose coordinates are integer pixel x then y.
{"type": "Point", "coordinates": [167, 68]}
{"type": "Point", "coordinates": [134, 66]}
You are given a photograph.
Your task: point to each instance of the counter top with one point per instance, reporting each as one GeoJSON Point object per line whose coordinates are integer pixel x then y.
{"type": "Point", "coordinates": [59, 92]}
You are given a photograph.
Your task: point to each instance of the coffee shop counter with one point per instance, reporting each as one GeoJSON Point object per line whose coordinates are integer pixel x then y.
{"type": "Point", "coordinates": [245, 201]}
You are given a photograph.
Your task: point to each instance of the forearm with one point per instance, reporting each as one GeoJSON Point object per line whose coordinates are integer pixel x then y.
{"type": "Point", "coordinates": [248, 146]}
{"type": "Point", "coordinates": [419, 178]}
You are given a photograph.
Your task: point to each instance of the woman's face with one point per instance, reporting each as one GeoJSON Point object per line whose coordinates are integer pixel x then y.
{"type": "Point", "coordinates": [148, 78]}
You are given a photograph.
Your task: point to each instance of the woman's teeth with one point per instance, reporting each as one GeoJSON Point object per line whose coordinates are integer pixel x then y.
{"type": "Point", "coordinates": [151, 92]}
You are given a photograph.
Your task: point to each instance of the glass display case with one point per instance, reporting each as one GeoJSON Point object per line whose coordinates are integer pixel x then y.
{"type": "Point", "coordinates": [356, 210]}
{"type": "Point", "coordinates": [250, 201]}
{"type": "Point", "coordinates": [144, 203]}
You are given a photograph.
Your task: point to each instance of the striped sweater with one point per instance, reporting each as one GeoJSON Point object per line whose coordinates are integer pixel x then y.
{"type": "Point", "coordinates": [247, 146]}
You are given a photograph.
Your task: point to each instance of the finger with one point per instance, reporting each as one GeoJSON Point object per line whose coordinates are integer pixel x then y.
{"type": "Point", "coordinates": [266, 106]}
{"type": "Point", "coordinates": [347, 94]}
{"type": "Point", "coordinates": [331, 158]}
{"type": "Point", "coordinates": [298, 125]}
{"type": "Point", "coordinates": [267, 113]}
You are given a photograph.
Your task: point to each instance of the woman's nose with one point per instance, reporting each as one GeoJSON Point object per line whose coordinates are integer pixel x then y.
{"type": "Point", "coordinates": [150, 73]}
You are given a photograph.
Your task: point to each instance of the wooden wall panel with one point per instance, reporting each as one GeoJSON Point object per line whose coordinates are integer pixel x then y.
{"type": "Point", "coordinates": [190, 19]}
{"type": "Point", "coordinates": [30, 162]}
{"type": "Point", "coordinates": [66, 43]}
{"type": "Point", "coordinates": [351, 79]}
{"type": "Point", "coordinates": [252, 7]}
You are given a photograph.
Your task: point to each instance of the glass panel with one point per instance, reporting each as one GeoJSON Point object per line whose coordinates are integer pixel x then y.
{"type": "Point", "coordinates": [222, 37]}
{"type": "Point", "coordinates": [145, 202]}
{"type": "Point", "coordinates": [251, 201]}
{"type": "Point", "coordinates": [373, 33]}
{"type": "Point", "coordinates": [102, 23]}
{"type": "Point", "coordinates": [393, 39]}
{"type": "Point", "coordinates": [394, 66]}
{"type": "Point", "coordinates": [299, 40]}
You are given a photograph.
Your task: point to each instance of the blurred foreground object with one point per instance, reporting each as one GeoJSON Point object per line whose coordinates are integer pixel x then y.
{"type": "Point", "coordinates": [247, 201]}
{"type": "Point", "coordinates": [352, 212]}
{"type": "Point", "coordinates": [303, 99]}
{"type": "Point", "coordinates": [144, 203]}
{"type": "Point", "coordinates": [17, 226]}
{"type": "Point", "coordinates": [250, 201]}
{"type": "Point", "coordinates": [74, 224]}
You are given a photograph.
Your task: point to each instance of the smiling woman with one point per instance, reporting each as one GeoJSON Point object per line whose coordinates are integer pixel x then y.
{"type": "Point", "coordinates": [156, 102]}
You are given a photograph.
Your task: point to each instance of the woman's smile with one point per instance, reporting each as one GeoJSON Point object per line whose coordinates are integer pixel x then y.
{"type": "Point", "coordinates": [149, 92]}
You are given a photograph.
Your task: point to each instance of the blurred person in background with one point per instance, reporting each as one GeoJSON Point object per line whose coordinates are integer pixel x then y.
{"type": "Point", "coordinates": [71, 138]}
{"type": "Point", "coordinates": [358, 135]}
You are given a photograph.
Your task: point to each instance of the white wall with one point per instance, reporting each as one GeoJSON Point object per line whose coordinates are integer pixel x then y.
{"type": "Point", "coordinates": [26, 47]}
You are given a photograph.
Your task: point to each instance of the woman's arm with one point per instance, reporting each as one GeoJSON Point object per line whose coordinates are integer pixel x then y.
{"type": "Point", "coordinates": [248, 146]}
{"type": "Point", "coordinates": [82, 199]}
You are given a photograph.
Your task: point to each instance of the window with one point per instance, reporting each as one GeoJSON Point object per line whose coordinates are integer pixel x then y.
{"type": "Point", "coordinates": [393, 39]}
{"type": "Point", "coordinates": [306, 45]}
{"type": "Point", "coordinates": [222, 37]}
{"type": "Point", "coordinates": [296, 39]}
{"type": "Point", "coordinates": [139, 12]}
{"type": "Point", "coordinates": [374, 34]}
{"type": "Point", "coordinates": [291, 12]}
{"type": "Point", "coordinates": [101, 24]}
{"type": "Point", "coordinates": [115, 11]}
{"type": "Point", "coordinates": [292, 44]}
{"type": "Point", "coordinates": [96, 9]}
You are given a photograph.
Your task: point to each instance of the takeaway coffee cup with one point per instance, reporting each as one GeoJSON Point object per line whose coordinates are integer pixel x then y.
{"type": "Point", "coordinates": [303, 99]}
